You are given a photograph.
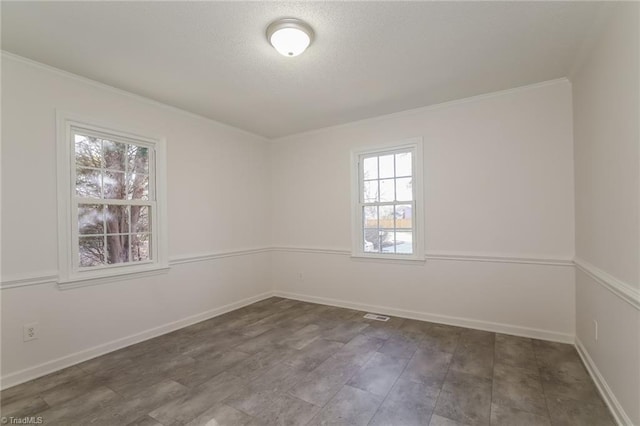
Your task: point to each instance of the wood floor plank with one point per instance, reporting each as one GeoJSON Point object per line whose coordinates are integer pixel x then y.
{"type": "Point", "coordinates": [286, 362]}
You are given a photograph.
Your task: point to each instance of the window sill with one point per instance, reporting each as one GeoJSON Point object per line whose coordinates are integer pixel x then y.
{"type": "Point", "coordinates": [82, 280]}
{"type": "Point", "coordinates": [408, 260]}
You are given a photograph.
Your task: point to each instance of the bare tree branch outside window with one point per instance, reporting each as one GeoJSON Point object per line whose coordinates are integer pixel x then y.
{"type": "Point", "coordinates": [112, 233]}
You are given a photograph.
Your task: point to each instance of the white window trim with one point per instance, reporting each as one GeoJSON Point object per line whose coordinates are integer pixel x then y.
{"type": "Point", "coordinates": [69, 275]}
{"type": "Point", "coordinates": [357, 249]}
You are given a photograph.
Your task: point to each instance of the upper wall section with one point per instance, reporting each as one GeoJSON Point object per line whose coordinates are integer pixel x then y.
{"type": "Point", "coordinates": [606, 95]}
{"type": "Point", "coordinates": [498, 175]}
{"type": "Point", "coordinates": [216, 174]}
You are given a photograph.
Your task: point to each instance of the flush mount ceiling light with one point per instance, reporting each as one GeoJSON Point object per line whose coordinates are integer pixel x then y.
{"type": "Point", "coordinates": [290, 36]}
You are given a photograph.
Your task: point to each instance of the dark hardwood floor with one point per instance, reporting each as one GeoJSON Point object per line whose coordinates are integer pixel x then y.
{"type": "Point", "coordinates": [285, 362]}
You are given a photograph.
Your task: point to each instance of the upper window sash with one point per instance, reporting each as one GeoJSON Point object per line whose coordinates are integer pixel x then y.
{"type": "Point", "coordinates": [361, 177]}
{"type": "Point", "coordinates": [118, 138]}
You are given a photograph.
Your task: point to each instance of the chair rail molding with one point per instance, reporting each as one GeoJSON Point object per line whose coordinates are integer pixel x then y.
{"type": "Point", "coordinates": [446, 256]}
{"type": "Point", "coordinates": [51, 277]}
{"type": "Point", "coordinates": [621, 289]}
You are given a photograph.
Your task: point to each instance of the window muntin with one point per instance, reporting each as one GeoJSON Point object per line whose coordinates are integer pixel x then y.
{"type": "Point", "coordinates": [112, 212]}
{"type": "Point", "coordinates": [114, 200]}
{"type": "Point", "coordinates": [387, 213]}
{"type": "Point", "coordinates": [387, 202]}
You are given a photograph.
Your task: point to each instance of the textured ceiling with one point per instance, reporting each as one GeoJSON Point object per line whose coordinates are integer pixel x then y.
{"type": "Point", "coordinates": [368, 59]}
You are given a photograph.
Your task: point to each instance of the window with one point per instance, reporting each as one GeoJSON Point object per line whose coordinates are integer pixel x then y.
{"type": "Point", "coordinates": [387, 197]}
{"type": "Point", "coordinates": [111, 202]}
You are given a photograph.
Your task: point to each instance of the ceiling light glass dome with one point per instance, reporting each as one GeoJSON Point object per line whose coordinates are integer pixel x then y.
{"type": "Point", "coordinates": [290, 36]}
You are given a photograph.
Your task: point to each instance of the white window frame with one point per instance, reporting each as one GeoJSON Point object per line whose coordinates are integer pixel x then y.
{"type": "Point", "coordinates": [70, 274]}
{"type": "Point", "coordinates": [357, 200]}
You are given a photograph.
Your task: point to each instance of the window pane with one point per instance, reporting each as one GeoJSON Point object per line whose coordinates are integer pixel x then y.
{"type": "Point", "coordinates": [404, 189]}
{"type": "Point", "coordinates": [404, 242]}
{"type": "Point", "coordinates": [117, 249]}
{"type": "Point", "coordinates": [386, 190]}
{"type": "Point", "coordinates": [371, 240]}
{"type": "Point", "coordinates": [403, 164]}
{"type": "Point", "coordinates": [88, 151]}
{"type": "Point", "coordinates": [114, 187]}
{"type": "Point", "coordinates": [90, 219]}
{"type": "Point", "coordinates": [88, 183]}
{"type": "Point", "coordinates": [386, 241]}
{"type": "Point", "coordinates": [140, 219]}
{"type": "Point", "coordinates": [114, 155]}
{"type": "Point", "coordinates": [91, 251]}
{"type": "Point", "coordinates": [388, 198]}
{"type": "Point", "coordinates": [138, 158]}
{"type": "Point", "coordinates": [370, 215]}
{"type": "Point", "coordinates": [386, 217]}
{"type": "Point", "coordinates": [117, 219]}
{"type": "Point", "coordinates": [137, 186]}
{"type": "Point", "coordinates": [370, 168]}
{"type": "Point", "coordinates": [371, 191]}
{"type": "Point", "coordinates": [140, 247]}
{"type": "Point", "coordinates": [386, 166]}
{"type": "Point", "coordinates": [403, 216]}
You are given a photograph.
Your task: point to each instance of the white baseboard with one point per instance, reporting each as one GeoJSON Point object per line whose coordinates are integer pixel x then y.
{"type": "Point", "coordinates": [48, 367]}
{"type": "Point", "coordinates": [437, 318]}
{"type": "Point", "coordinates": [607, 394]}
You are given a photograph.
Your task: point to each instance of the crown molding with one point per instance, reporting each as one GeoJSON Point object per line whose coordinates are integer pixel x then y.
{"type": "Point", "coordinates": [112, 89]}
{"type": "Point", "coordinates": [153, 102]}
{"type": "Point", "coordinates": [423, 109]}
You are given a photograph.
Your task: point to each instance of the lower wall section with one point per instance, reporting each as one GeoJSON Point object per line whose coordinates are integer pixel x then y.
{"type": "Point", "coordinates": [82, 323]}
{"type": "Point", "coordinates": [533, 300]}
{"type": "Point", "coordinates": [614, 358]}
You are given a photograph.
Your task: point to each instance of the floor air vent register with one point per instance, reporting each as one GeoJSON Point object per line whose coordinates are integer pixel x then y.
{"type": "Point", "coordinates": [376, 317]}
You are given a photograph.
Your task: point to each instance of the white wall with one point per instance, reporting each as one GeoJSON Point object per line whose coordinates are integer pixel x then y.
{"type": "Point", "coordinates": [498, 184]}
{"type": "Point", "coordinates": [499, 217]}
{"type": "Point", "coordinates": [217, 176]}
{"type": "Point", "coordinates": [606, 96]}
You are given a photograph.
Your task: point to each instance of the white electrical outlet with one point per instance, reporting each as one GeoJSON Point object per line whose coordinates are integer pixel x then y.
{"type": "Point", "coordinates": [595, 330]}
{"type": "Point", "coordinates": [30, 331]}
